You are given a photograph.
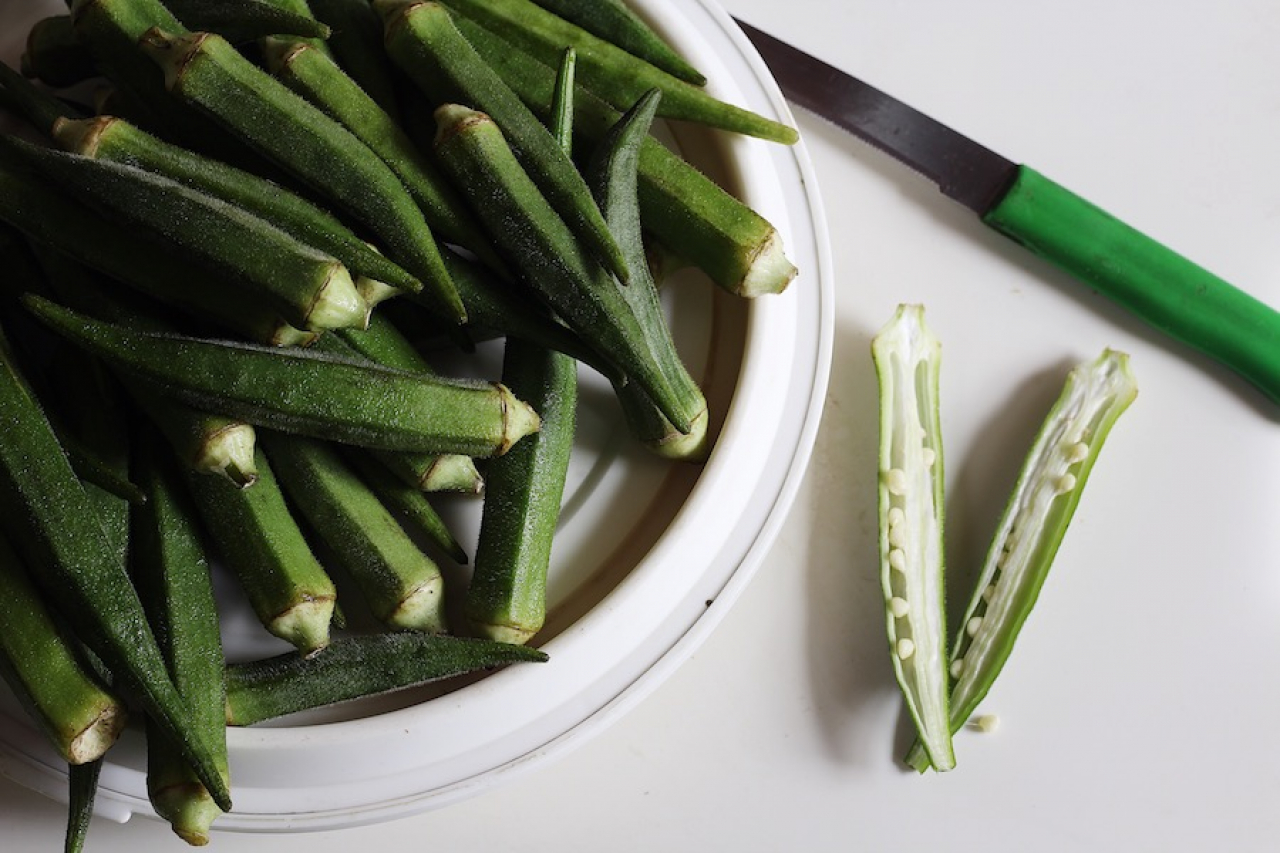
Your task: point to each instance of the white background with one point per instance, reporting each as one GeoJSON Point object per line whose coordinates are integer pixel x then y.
{"type": "Point", "coordinates": [1138, 710]}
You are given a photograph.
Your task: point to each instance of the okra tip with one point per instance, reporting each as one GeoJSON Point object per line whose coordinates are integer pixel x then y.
{"type": "Point", "coordinates": [518, 419]}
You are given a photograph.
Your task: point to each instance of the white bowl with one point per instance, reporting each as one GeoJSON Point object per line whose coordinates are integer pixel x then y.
{"type": "Point", "coordinates": [649, 556]}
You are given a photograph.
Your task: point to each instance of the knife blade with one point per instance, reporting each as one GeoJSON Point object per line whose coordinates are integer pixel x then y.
{"type": "Point", "coordinates": [1153, 282]}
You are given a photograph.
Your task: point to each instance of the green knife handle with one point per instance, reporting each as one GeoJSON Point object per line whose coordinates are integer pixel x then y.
{"type": "Point", "coordinates": [1155, 283]}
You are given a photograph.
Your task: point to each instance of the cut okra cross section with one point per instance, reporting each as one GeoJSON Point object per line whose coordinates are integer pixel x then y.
{"type": "Point", "coordinates": [907, 356]}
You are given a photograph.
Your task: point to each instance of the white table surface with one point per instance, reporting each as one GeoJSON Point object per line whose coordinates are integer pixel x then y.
{"type": "Point", "coordinates": [1137, 712]}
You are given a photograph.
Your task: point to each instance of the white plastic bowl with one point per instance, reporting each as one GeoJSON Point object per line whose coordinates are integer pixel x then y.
{"type": "Point", "coordinates": [650, 555]}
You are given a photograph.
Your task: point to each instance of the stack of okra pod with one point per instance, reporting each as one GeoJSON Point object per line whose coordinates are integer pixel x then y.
{"type": "Point", "coordinates": [216, 277]}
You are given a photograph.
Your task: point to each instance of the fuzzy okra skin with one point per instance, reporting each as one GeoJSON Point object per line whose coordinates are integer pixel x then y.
{"type": "Point", "coordinates": [207, 72]}
{"type": "Point", "coordinates": [356, 42]}
{"type": "Point", "coordinates": [614, 22]}
{"type": "Point", "coordinates": [290, 592]}
{"type": "Point", "coordinates": [240, 21]}
{"type": "Point", "coordinates": [358, 666]}
{"type": "Point", "coordinates": [407, 501]}
{"type": "Point", "coordinates": [114, 139]}
{"type": "Point", "coordinates": [422, 39]}
{"type": "Point", "coordinates": [1034, 522]}
{"type": "Point", "coordinates": [685, 210]}
{"type": "Point", "coordinates": [321, 81]}
{"type": "Point", "coordinates": [612, 73]}
{"type": "Point", "coordinates": [171, 573]}
{"type": "Point", "coordinates": [472, 149]}
{"type": "Point", "coordinates": [613, 178]}
{"type": "Point", "coordinates": [78, 715]}
{"type": "Point", "coordinates": [54, 525]}
{"type": "Point", "coordinates": [308, 392]}
{"type": "Point", "coordinates": [309, 288]}
{"type": "Point", "coordinates": [402, 586]}
{"type": "Point", "coordinates": [907, 356]}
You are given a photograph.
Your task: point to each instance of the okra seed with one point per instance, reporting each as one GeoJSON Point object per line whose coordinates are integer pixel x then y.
{"type": "Point", "coordinates": [973, 626]}
{"type": "Point", "coordinates": [1077, 452]}
{"type": "Point", "coordinates": [897, 560]}
{"type": "Point", "coordinates": [929, 456]}
{"type": "Point", "coordinates": [1065, 483]}
{"type": "Point", "coordinates": [895, 479]}
{"type": "Point", "coordinates": [899, 607]}
{"type": "Point", "coordinates": [957, 667]}
{"type": "Point", "coordinates": [987, 723]}
{"type": "Point", "coordinates": [896, 515]}
{"type": "Point", "coordinates": [989, 593]}
{"type": "Point", "coordinates": [897, 535]}
{"type": "Point", "coordinates": [906, 648]}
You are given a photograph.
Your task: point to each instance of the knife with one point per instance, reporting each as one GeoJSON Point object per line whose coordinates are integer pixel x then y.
{"type": "Point", "coordinates": [1155, 283]}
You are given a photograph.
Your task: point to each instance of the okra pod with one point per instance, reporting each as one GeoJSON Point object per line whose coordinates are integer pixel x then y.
{"type": "Point", "coordinates": [506, 600]}
{"type": "Point", "coordinates": [613, 175]}
{"type": "Point", "coordinates": [206, 71]}
{"type": "Point", "coordinates": [114, 139]}
{"type": "Point", "coordinates": [39, 108]}
{"type": "Point", "coordinates": [54, 526]}
{"type": "Point", "coordinates": [401, 585]}
{"type": "Point", "coordinates": [907, 356]}
{"type": "Point", "coordinates": [408, 503]}
{"type": "Point", "coordinates": [355, 667]}
{"type": "Point", "coordinates": [171, 573]}
{"type": "Point", "coordinates": [253, 530]}
{"type": "Point", "coordinates": [309, 288]}
{"type": "Point", "coordinates": [321, 81]}
{"type": "Point", "coordinates": [82, 781]}
{"type": "Point", "coordinates": [54, 54]}
{"type": "Point", "coordinates": [422, 39]}
{"type": "Point", "coordinates": [685, 210]}
{"type": "Point", "coordinates": [240, 21]}
{"type": "Point", "coordinates": [615, 75]}
{"type": "Point", "coordinates": [472, 149]}
{"type": "Point", "coordinates": [75, 712]}
{"type": "Point", "coordinates": [356, 42]}
{"type": "Point", "coordinates": [1044, 499]}
{"type": "Point", "coordinates": [308, 392]}
{"type": "Point", "coordinates": [614, 22]}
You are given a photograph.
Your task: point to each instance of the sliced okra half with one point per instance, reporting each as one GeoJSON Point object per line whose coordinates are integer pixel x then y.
{"type": "Point", "coordinates": [907, 357]}
{"type": "Point", "coordinates": [1026, 540]}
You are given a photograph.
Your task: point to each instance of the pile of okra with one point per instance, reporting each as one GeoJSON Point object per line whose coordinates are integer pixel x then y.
{"type": "Point", "coordinates": [229, 231]}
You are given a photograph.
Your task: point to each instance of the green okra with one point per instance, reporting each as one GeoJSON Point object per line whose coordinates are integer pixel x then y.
{"type": "Point", "coordinates": [408, 503]}
{"type": "Point", "coordinates": [301, 8]}
{"type": "Point", "coordinates": [172, 574]}
{"type": "Point", "coordinates": [54, 220]}
{"type": "Point", "coordinates": [907, 357]}
{"type": "Point", "coordinates": [206, 71]}
{"type": "Point", "coordinates": [1044, 499]}
{"type": "Point", "coordinates": [54, 55]}
{"type": "Point", "coordinates": [261, 543]}
{"type": "Point", "coordinates": [321, 81]}
{"type": "Point", "coordinates": [39, 107]}
{"type": "Point", "coordinates": [114, 139]}
{"type": "Point", "coordinates": [472, 149]}
{"type": "Point", "coordinates": [613, 175]}
{"type": "Point", "coordinates": [615, 75]}
{"type": "Point", "coordinates": [74, 710]}
{"type": "Point", "coordinates": [506, 600]}
{"type": "Point", "coordinates": [561, 122]}
{"type": "Point", "coordinates": [686, 211]}
{"type": "Point", "coordinates": [82, 780]}
{"type": "Point", "coordinates": [356, 667]}
{"type": "Point", "coordinates": [422, 39]}
{"type": "Point", "coordinates": [401, 585]}
{"type": "Point", "coordinates": [54, 525]}
{"type": "Point", "coordinates": [308, 392]}
{"type": "Point", "coordinates": [240, 21]}
{"type": "Point", "coordinates": [613, 21]}
{"type": "Point", "coordinates": [309, 288]}
{"type": "Point", "coordinates": [356, 42]}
